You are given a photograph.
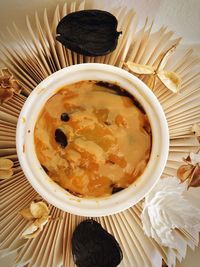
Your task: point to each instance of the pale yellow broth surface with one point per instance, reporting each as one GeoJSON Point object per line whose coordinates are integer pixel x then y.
{"type": "Point", "coordinates": [109, 139]}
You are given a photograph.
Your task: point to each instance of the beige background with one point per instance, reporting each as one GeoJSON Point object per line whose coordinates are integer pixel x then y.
{"type": "Point", "coordinates": [182, 16]}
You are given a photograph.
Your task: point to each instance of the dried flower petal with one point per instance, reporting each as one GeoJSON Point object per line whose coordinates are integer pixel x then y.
{"type": "Point", "coordinates": [26, 213]}
{"type": "Point", "coordinates": [16, 86]}
{"type": "Point", "coordinates": [170, 79]}
{"type": "Point", "coordinates": [41, 221]}
{"type": "Point", "coordinates": [165, 56]}
{"type": "Point", "coordinates": [139, 68]}
{"type": "Point", "coordinates": [31, 232]}
{"type": "Point", "coordinates": [35, 228]}
{"type": "Point", "coordinates": [5, 164]}
{"type": "Point", "coordinates": [6, 174]}
{"type": "Point", "coordinates": [6, 73]}
{"type": "Point", "coordinates": [8, 86]}
{"type": "Point", "coordinates": [184, 172]}
{"type": "Point", "coordinates": [39, 209]}
{"type": "Point", "coordinates": [191, 171]}
{"type": "Point", "coordinates": [5, 95]}
{"type": "Point", "coordinates": [6, 170]}
{"type": "Point", "coordinates": [194, 158]}
{"type": "Point", "coordinates": [194, 180]}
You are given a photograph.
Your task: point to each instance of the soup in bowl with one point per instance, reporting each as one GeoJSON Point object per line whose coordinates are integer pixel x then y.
{"type": "Point", "coordinates": [92, 139]}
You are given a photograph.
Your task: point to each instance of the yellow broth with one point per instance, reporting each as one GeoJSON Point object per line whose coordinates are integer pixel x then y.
{"type": "Point", "coordinates": [107, 138]}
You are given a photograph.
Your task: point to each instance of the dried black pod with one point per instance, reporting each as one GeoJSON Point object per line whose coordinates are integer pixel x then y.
{"type": "Point", "coordinates": [89, 32]}
{"type": "Point", "coordinates": [93, 246]}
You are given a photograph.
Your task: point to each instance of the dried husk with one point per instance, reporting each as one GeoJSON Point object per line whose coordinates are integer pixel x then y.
{"type": "Point", "coordinates": [194, 180]}
{"type": "Point", "coordinates": [26, 213]}
{"type": "Point", "coordinates": [42, 221]}
{"type": "Point", "coordinates": [6, 73]}
{"type": "Point", "coordinates": [166, 56]}
{"type": "Point", "coordinates": [139, 68]}
{"type": "Point", "coordinates": [39, 209]}
{"type": "Point", "coordinates": [6, 174]}
{"type": "Point", "coordinates": [5, 95]}
{"type": "Point", "coordinates": [184, 172]}
{"type": "Point", "coordinates": [8, 86]}
{"type": "Point", "coordinates": [16, 86]}
{"type": "Point", "coordinates": [38, 212]}
{"type": "Point", "coordinates": [35, 228]}
{"type": "Point", "coordinates": [191, 171]}
{"type": "Point", "coordinates": [170, 79]}
{"type": "Point", "coordinates": [31, 232]}
{"type": "Point", "coordinates": [6, 164]}
{"type": "Point", "coordinates": [6, 170]}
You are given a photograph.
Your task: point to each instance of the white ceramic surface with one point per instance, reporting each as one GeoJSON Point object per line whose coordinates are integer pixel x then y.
{"type": "Point", "coordinates": [56, 195]}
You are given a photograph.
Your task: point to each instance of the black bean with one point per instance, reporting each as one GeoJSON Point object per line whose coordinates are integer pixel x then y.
{"type": "Point", "coordinates": [64, 117]}
{"type": "Point", "coordinates": [61, 138]}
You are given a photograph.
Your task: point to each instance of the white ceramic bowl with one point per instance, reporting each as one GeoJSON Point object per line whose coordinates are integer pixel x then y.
{"type": "Point", "coordinates": [52, 192]}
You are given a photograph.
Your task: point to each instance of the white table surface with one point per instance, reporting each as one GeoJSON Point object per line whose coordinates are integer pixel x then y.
{"type": "Point", "coordinates": [181, 16]}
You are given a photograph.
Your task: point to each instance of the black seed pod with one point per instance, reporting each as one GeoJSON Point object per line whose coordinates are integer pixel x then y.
{"type": "Point", "coordinates": [89, 32]}
{"type": "Point", "coordinates": [61, 138]}
{"type": "Point", "coordinates": [93, 246]}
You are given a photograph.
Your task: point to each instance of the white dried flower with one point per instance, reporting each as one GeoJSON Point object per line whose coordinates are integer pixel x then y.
{"type": "Point", "coordinates": [167, 208]}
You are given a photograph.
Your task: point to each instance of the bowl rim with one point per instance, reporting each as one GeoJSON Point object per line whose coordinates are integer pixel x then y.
{"type": "Point", "coordinates": [53, 193]}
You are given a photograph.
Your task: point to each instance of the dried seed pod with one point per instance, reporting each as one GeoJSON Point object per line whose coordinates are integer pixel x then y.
{"type": "Point", "coordinates": [170, 79]}
{"type": "Point", "coordinates": [191, 171]}
{"type": "Point", "coordinates": [5, 164]}
{"type": "Point", "coordinates": [89, 32]}
{"type": "Point", "coordinates": [38, 212]}
{"type": "Point", "coordinates": [5, 95]}
{"type": "Point", "coordinates": [194, 180]}
{"type": "Point", "coordinates": [61, 138]}
{"type": "Point", "coordinates": [139, 68]}
{"type": "Point", "coordinates": [26, 213]}
{"type": "Point", "coordinates": [31, 232]}
{"type": "Point", "coordinates": [184, 172]}
{"type": "Point", "coordinates": [93, 246]}
{"type": "Point", "coordinates": [39, 209]}
{"type": "Point", "coordinates": [8, 86]}
{"type": "Point", "coordinates": [6, 174]}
